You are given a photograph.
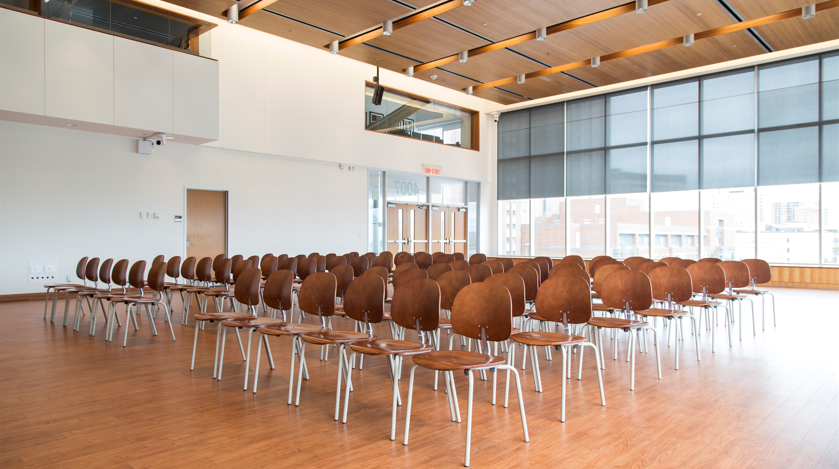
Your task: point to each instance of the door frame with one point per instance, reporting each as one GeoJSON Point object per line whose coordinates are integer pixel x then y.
{"type": "Point", "coordinates": [226, 211]}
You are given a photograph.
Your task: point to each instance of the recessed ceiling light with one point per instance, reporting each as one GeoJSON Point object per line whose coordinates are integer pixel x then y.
{"type": "Point", "coordinates": [70, 125]}
{"type": "Point", "coordinates": [735, 45]}
{"type": "Point", "coordinates": [485, 24]}
{"type": "Point", "coordinates": [136, 18]}
{"type": "Point", "coordinates": [433, 77]}
{"type": "Point", "coordinates": [699, 14]}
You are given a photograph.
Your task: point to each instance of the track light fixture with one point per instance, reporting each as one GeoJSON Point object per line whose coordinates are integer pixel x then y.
{"type": "Point", "coordinates": [641, 6]}
{"type": "Point", "coordinates": [469, 91]}
{"type": "Point", "coordinates": [333, 47]}
{"type": "Point", "coordinates": [468, 3]}
{"type": "Point", "coordinates": [387, 28]}
{"type": "Point", "coordinates": [463, 57]}
{"type": "Point", "coordinates": [687, 41]}
{"type": "Point", "coordinates": [808, 12]}
{"type": "Point", "coordinates": [409, 72]}
{"type": "Point", "coordinates": [541, 34]}
{"type": "Point", "coordinates": [233, 13]}
{"type": "Point", "coordinates": [379, 91]}
{"type": "Point", "coordinates": [520, 79]}
{"type": "Point", "coordinates": [595, 62]}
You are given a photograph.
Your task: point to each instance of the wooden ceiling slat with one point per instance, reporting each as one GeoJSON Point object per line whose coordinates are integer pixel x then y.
{"type": "Point", "coordinates": [414, 18]}
{"type": "Point", "coordinates": [426, 40]}
{"type": "Point", "coordinates": [800, 32]}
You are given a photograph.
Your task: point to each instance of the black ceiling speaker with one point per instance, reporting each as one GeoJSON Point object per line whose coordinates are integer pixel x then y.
{"type": "Point", "coordinates": [379, 91]}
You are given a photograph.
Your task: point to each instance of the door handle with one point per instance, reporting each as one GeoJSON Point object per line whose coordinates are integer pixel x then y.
{"type": "Point", "coordinates": [188, 243]}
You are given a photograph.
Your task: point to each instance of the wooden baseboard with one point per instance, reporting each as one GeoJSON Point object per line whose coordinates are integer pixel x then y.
{"type": "Point", "coordinates": [26, 297]}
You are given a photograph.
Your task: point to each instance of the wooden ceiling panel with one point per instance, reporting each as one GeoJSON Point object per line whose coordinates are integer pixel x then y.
{"type": "Point", "coordinates": [508, 18]}
{"type": "Point", "coordinates": [279, 26]}
{"type": "Point", "coordinates": [671, 59]}
{"type": "Point", "coordinates": [499, 96]}
{"type": "Point", "coordinates": [213, 8]}
{"type": "Point", "coordinates": [377, 58]}
{"type": "Point", "coordinates": [489, 67]}
{"type": "Point", "coordinates": [797, 32]}
{"type": "Point", "coordinates": [750, 9]}
{"type": "Point", "coordinates": [341, 16]}
{"type": "Point", "coordinates": [548, 85]}
{"type": "Point", "coordinates": [428, 40]}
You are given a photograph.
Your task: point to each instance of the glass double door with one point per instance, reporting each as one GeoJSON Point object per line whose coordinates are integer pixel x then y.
{"type": "Point", "coordinates": [448, 229]}
{"type": "Point", "coordinates": [407, 228]}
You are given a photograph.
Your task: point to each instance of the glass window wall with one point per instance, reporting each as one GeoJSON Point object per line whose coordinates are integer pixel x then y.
{"type": "Point", "coordinates": [629, 225]}
{"type": "Point", "coordinates": [588, 226]}
{"type": "Point", "coordinates": [549, 226]}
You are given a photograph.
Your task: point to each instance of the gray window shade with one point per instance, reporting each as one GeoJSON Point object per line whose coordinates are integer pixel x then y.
{"type": "Point", "coordinates": [514, 179]}
{"type": "Point", "coordinates": [514, 134]}
{"type": "Point", "coordinates": [788, 156]}
{"type": "Point", "coordinates": [727, 162]}
{"type": "Point", "coordinates": [830, 86]}
{"type": "Point", "coordinates": [547, 176]}
{"type": "Point", "coordinates": [830, 153]}
{"type": "Point", "coordinates": [547, 129]}
{"type": "Point", "coordinates": [627, 170]}
{"type": "Point", "coordinates": [675, 166]}
{"type": "Point", "coordinates": [626, 118]}
{"type": "Point", "coordinates": [728, 102]}
{"type": "Point", "coordinates": [676, 111]}
{"type": "Point", "coordinates": [586, 123]}
{"type": "Point", "coordinates": [587, 173]}
{"type": "Point", "coordinates": [788, 93]}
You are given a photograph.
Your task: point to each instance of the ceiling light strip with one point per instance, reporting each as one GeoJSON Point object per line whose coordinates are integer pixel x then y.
{"type": "Point", "coordinates": [531, 36]}
{"type": "Point", "coordinates": [795, 13]}
{"type": "Point", "coordinates": [735, 15]}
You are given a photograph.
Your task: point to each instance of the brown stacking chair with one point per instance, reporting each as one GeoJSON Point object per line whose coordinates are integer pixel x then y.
{"type": "Point", "coordinates": [408, 276]}
{"type": "Point", "coordinates": [360, 265]}
{"type": "Point", "coordinates": [304, 270]}
{"type": "Point", "coordinates": [506, 262]}
{"type": "Point", "coordinates": [91, 273]}
{"type": "Point", "coordinates": [330, 256]}
{"type": "Point", "coordinates": [683, 263]}
{"type": "Point", "coordinates": [344, 275]}
{"type": "Point", "coordinates": [134, 279]}
{"type": "Point", "coordinates": [600, 277]}
{"type": "Point", "coordinates": [60, 287]}
{"type": "Point", "coordinates": [450, 285]}
{"type": "Point", "coordinates": [458, 256]}
{"type": "Point", "coordinates": [599, 262]}
{"type": "Point", "coordinates": [402, 257]}
{"type": "Point", "coordinates": [385, 261]}
{"type": "Point", "coordinates": [736, 276]}
{"type": "Point", "coordinates": [706, 278]}
{"type": "Point", "coordinates": [277, 293]}
{"type": "Point", "coordinates": [402, 268]}
{"type": "Point", "coordinates": [669, 260]}
{"type": "Point", "coordinates": [241, 267]}
{"type": "Point", "coordinates": [222, 276]}
{"type": "Point", "coordinates": [300, 258]}
{"type": "Point", "coordinates": [416, 306]}
{"type": "Point", "coordinates": [265, 256]}
{"type": "Point", "coordinates": [712, 260]}
{"type": "Point", "coordinates": [436, 270]}
{"type": "Point", "coordinates": [119, 276]}
{"type": "Point", "coordinates": [443, 259]}
{"type": "Point", "coordinates": [478, 258]}
{"type": "Point", "coordinates": [479, 272]}
{"type": "Point", "coordinates": [248, 296]}
{"type": "Point", "coordinates": [378, 270]}
{"type": "Point", "coordinates": [516, 286]}
{"type": "Point", "coordinates": [225, 293]}
{"type": "Point", "coordinates": [156, 282]}
{"type": "Point", "coordinates": [565, 266]}
{"type": "Point", "coordinates": [571, 273]}
{"type": "Point", "coordinates": [635, 262]}
{"type": "Point", "coordinates": [423, 260]}
{"type": "Point", "coordinates": [759, 273]}
{"type": "Point", "coordinates": [544, 269]}
{"type": "Point", "coordinates": [289, 264]}
{"type": "Point", "coordinates": [574, 260]}
{"type": "Point", "coordinates": [103, 275]}
{"type": "Point", "coordinates": [235, 260]}
{"type": "Point", "coordinates": [204, 277]}
{"type": "Point", "coordinates": [335, 262]}
{"type": "Point", "coordinates": [268, 265]}
{"type": "Point", "coordinates": [530, 275]}
{"type": "Point", "coordinates": [364, 302]}
{"type": "Point", "coordinates": [321, 263]}
{"type": "Point", "coordinates": [435, 255]}
{"type": "Point", "coordinates": [459, 264]}
{"type": "Point", "coordinates": [567, 300]}
{"type": "Point", "coordinates": [495, 266]}
{"type": "Point", "coordinates": [630, 291]}
{"type": "Point", "coordinates": [649, 266]}
{"type": "Point", "coordinates": [481, 311]}
{"type": "Point", "coordinates": [546, 259]}
{"type": "Point", "coordinates": [281, 259]}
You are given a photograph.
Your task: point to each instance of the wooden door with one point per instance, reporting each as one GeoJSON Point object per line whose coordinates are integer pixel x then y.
{"type": "Point", "coordinates": [415, 228]}
{"type": "Point", "coordinates": [395, 228]}
{"type": "Point", "coordinates": [459, 230]}
{"type": "Point", "coordinates": [438, 226]}
{"type": "Point", "coordinates": [206, 223]}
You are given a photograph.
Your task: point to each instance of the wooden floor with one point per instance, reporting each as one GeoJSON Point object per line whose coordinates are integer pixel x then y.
{"type": "Point", "coordinates": [69, 400]}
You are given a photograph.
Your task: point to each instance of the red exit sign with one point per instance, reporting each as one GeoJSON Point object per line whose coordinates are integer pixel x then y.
{"type": "Point", "coordinates": [434, 171]}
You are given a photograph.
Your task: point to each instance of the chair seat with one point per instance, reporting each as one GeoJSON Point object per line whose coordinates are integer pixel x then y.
{"type": "Point", "coordinates": [220, 293]}
{"type": "Point", "coordinates": [63, 285]}
{"type": "Point", "coordinates": [546, 338]}
{"type": "Point", "coordinates": [445, 323]}
{"type": "Point", "coordinates": [535, 316]}
{"type": "Point", "coordinates": [252, 322]}
{"type": "Point", "coordinates": [290, 329]}
{"type": "Point", "coordinates": [726, 296]}
{"type": "Point", "coordinates": [616, 323]}
{"type": "Point", "coordinates": [135, 299]}
{"type": "Point", "coordinates": [750, 291]}
{"type": "Point", "coordinates": [92, 292]}
{"type": "Point", "coordinates": [179, 286]}
{"type": "Point", "coordinates": [111, 295]}
{"type": "Point", "coordinates": [662, 313]}
{"type": "Point", "coordinates": [336, 337]}
{"type": "Point", "coordinates": [195, 289]}
{"type": "Point", "coordinates": [220, 316]}
{"type": "Point", "coordinates": [699, 303]}
{"type": "Point", "coordinates": [390, 347]}
{"type": "Point", "coordinates": [595, 295]}
{"type": "Point", "coordinates": [448, 360]}
{"type": "Point", "coordinates": [601, 307]}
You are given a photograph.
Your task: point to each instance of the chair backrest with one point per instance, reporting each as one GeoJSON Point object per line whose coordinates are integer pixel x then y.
{"type": "Point", "coordinates": [458, 256]}
{"type": "Point", "coordinates": [254, 261]}
{"type": "Point", "coordinates": [80, 268]}
{"type": "Point", "coordinates": [365, 299]}
{"type": "Point", "coordinates": [506, 262]}
{"type": "Point", "coordinates": [173, 267]}
{"type": "Point", "coordinates": [478, 258]}
{"type": "Point", "coordinates": [92, 270]}
{"type": "Point", "coordinates": [204, 270]}
{"type": "Point", "coordinates": [459, 264]}
{"type": "Point", "coordinates": [479, 272]}
{"type": "Point", "coordinates": [515, 285]}
{"type": "Point", "coordinates": [544, 269]}
{"type": "Point", "coordinates": [579, 273]}
{"type": "Point", "coordinates": [736, 273]}
{"type": "Point", "coordinates": [573, 260]}
{"type": "Point", "coordinates": [759, 270]}
{"type": "Point", "coordinates": [268, 265]}
{"type": "Point", "coordinates": [407, 276]}
{"type": "Point", "coordinates": [119, 275]}
{"type": "Point", "coordinates": [158, 258]}
{"type": "Point", "coordinates": [443, 259]}
{"type": "Point", "coordinates": [306, 268]}
{"type": "Point", "coordinates": [241, 267]}
{"type": "Point", "coordinates": [335, 262]}
{"type": "Point", "coordinates": [314, 254]}
{"type": "Point", "coordinates": [136, 274]}
{"type": "Point", "coordinates": [546, 259]}
{"type": "Point", "coordinates": [371, 258]}
{"type": "Point", "coordinates": [417, 301]}
{"type": "Point", "coordinates": [708, 275]}
{"type": "Point", "coordinates": [483, 310]}
{"type": "Point", "coordinates": [565, 299]}
{"type": "Point", "coordinates": [317, 294]}
{"type": "Point", "coordinates": [565, 266]}
{"type": "Point", "coordinates": [712, 260]}
{"type": "Point", "coordinates": [402, 257]}
{"type": "Point", "coordinates": [217, 260]}
{"type": "Point", "coordinates": [378, 270]}
{"type": "Point", "coordinates": [450, 284]}
{"type": "Point", "coordinates": [329, 257]}
{"type": "Point", "coordinates": [423, 260]}
{"type": "Point", "coordinates": [224, 270]}
{"type": "Point", "coordinates": [402, 268]}
{"type": "Point", "coordinates": [360, 265]}
{"type": "Point", "coordinates": [320, 263]}
{"type": "Point", "coordinates": [300, 258]}
{"type": "Point", "coordinates": [344, 275]}
{"type": "Point", "coordinates": [674, 281]}
{"type": "Point", "coordinates": [649, 266]}
{"type": "Point", "coordinates": [627, 289]}
{"type": "Point", "coordinates": [278, 290]}
{"type": "Point", "coordinates": [246, 289]}
{"type": "Point", "coordinates": [157, 276]}
{"type": "Point", "coordinates": [436, 270]}
{"type": "Point", "coordinates": [235, 260]}
{"type": "Point", "coordinates": [604, 272]}
{"type": "Point", "coordinates": [669, 260]}
{"type": "Point", "coordinates": [683, 263]}
{"type": "Point", "coordinates": [188, 268]}
{"type": "Point", "coordinates": [354, 254]}
{"type": "Point", "coordinates": [599, 262]}
{"type": "Point", "coordinates": [264, 256]}
{"type": "Point", "coordinates": [634, 262]}
{"type": "Point", "coordinates": [495, 266]}
{"type": "Point", "coordinates": [289, 264]}
{"type": "Point", "coordinates": [384, 261]}
{"type": "Point", "coordinates": [280, 259]}
{"type": "Point", "coordinates": [530, 276]}
{"type": "Point", "coordinates": [105, 271]}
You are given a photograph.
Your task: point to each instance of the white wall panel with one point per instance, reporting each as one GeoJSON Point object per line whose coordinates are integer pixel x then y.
{"type": "Point", "coordinates": [243, 128]}
{"type": "Point", "coordinates": [79, 73]}
{"type": "Point", "coordinates": [283, 135]}
{"type": "Point", "coordinates": [318, 91]}
{"type": "Point", "coordinates": [283, 76]}
{"type": "Point", "coordinates": [21, 62]}
{"type": "Point", "coordinates": [243, 67]}
{"type": "Point", "coordinates": [143, 96]}
{"type": "Point", "coordinates": [196, 96]}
